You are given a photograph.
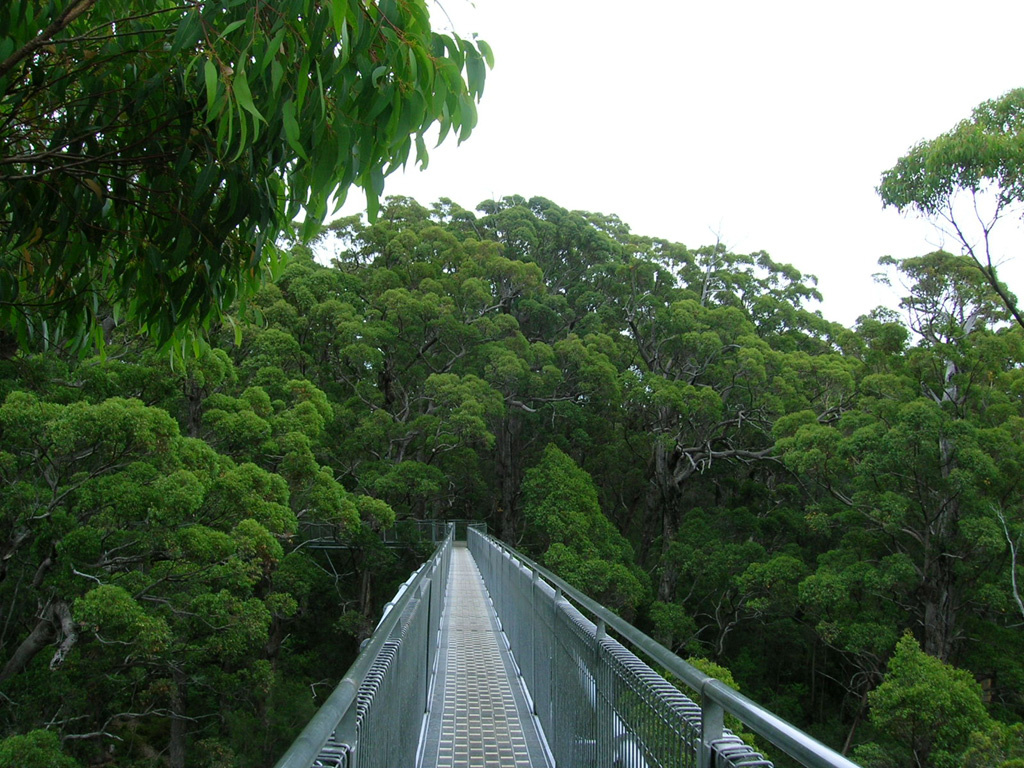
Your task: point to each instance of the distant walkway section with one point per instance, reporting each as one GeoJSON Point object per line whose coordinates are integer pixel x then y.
{"type": "Point", "coordinates": [479, 716]}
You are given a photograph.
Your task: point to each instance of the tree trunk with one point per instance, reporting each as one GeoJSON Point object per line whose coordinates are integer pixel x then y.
{"type": "Point", "coordinates": [856, 721]}
{"type": "Point", "coordinates": [940, 614]}
{"type": "Point", "coordinates": [365, 592]}
{"type": "Point", "coordinates": [18, 538]}
{"type": "Point", "coordinates": [939, 588]}
{"type": "Point", "coordinates": [41, 636]}
{"type": "Point", "coordinates": [508, 475]}
{"type": "Point", "coordinates": [662, 517]}
{"type": "Point", "coordinates": [669, 570]}
{"type": "Point", "coordinates": [194, 396]}
{"type": "Point", "coordinates": [277, 636]}
{"type": "Point", "coordinates": [179, 723]}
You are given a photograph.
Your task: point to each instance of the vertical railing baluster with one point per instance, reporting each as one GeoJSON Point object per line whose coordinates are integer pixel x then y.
{"type": "Point", "coordinates": [712, 720]}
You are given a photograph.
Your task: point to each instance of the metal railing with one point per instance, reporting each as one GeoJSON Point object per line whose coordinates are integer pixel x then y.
{"type": "Point", "coordinates": [319, 535]}
{"type": "Point", "coordinates": [374, 716]}
{"type": "Point", "coordinates": [598, 703]}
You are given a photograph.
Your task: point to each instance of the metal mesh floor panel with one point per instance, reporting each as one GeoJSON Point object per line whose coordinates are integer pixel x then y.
{"type": "Point", "coordinates": [478, 716]}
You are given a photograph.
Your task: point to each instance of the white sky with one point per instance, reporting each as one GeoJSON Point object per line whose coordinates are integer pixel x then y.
{"type": "Point", "coordinates": [769, 123]}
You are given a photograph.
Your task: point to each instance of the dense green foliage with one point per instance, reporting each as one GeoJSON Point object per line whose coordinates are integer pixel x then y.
{"type": "Point", "coordinates": [154, 152]}
{"type": "Point", "coordinates": [563, 521]}
{"type": "Point", "coordinates": [927, 707]}
{"type": "Point", "coordinates": [672, 429]}
{"type": "Point", "coordinates": [36, 749]}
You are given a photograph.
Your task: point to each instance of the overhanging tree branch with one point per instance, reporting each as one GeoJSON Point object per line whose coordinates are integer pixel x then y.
{"type": "Point", "coordinates": [71, 13]}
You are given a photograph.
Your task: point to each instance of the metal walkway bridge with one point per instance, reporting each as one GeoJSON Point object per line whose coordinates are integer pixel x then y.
{"type": "Point", "coordinates": [486, 660]}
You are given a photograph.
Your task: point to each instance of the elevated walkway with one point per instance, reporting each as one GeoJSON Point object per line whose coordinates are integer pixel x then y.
{"type": "Point", "coordinates": [479, 716]}
{"type": "Point", "coordinates": [486, 660]}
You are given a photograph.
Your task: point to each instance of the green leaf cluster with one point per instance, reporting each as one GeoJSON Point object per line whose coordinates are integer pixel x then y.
{"type": "Point", "coordinates": [155, 153]}
{"type": "Point", "coordinates": [927, 707]}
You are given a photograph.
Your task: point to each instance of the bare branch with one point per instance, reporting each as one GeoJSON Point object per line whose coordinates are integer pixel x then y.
{"type": "Point", "coordinates": [86, 576]}
{"type": "Point", "coordinates": [93, 735]}
{"type": "Point", "coordinates": [68, 629]}
{"type": "Point", "coordinates": [1014, 546]}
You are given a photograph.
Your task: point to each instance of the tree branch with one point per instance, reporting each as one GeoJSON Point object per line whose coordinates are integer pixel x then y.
{"type": "Point", "coordinates": [1013, 561]}
{"type": "Point", "coordinates": [40, 636]}
{"type": "Point", "coordinates": [988, 269]}
{"type": "Point", "coordinates": [73, 11]}
{"type": "Point", "coordinates": [70, 631]}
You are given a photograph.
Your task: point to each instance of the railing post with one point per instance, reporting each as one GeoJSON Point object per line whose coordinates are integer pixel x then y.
{"type": "Point", "coordinates": [534, 619]}
{"type": "Point", "coordinates": [712, 719]}
{"type": "Point", "coordinates": [604, 701]}
{"type": "Point", "coordinates": [503, 586]}
{"type": "Point", "coordinates": [431, 635]}
{"type": "Point", "coordinates": [562, 734]}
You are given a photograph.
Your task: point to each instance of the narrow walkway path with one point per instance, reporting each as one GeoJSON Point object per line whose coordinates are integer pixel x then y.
{"type": "Point", "coordinates": [479, 717]}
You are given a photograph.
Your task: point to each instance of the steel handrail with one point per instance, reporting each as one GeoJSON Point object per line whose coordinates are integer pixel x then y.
{"type": "Point", "coordinates": [339, 705]}
{"type": "Point", "coordinates": [715, 694]}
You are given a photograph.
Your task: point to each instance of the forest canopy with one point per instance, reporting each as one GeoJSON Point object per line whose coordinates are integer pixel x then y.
{"type": "Point", "coordinates": [674, 429]}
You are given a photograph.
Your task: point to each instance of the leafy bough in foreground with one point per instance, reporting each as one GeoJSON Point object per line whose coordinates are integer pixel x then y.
{"type": "Point", "coordinates": [155, 152]}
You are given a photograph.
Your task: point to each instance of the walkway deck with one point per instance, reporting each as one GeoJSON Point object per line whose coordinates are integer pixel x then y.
{"type": "Point", "coordinates": [479, 717]}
